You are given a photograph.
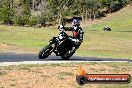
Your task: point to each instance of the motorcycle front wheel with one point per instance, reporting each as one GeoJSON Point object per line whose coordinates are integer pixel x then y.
{"type": "Point", "coordinates": [45, 52]}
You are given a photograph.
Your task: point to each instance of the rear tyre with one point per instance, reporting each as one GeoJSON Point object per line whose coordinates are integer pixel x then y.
{"type": "Point", "coordinates": [45, 52]}
{"type": "Point", "coordinates": [67, 56]}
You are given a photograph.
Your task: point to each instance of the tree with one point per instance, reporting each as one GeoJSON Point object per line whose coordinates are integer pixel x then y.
{"type": "Point", "coordinates": [60, 8]}
{"type": "Point", "coordinates": [45, 10]}
{"type": "Point", "coordinates": [6, 12]}
{"type": "Point", "coordinates": [22, 12]}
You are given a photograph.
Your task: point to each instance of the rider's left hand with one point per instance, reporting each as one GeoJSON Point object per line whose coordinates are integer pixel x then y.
{"type": "Point", "coordinates": [75, 40]}
{"type": "Point", "coordinates": [60, 27]}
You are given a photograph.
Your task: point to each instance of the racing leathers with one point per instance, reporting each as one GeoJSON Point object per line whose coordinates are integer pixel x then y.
{"type": "Point", "coordinates": [77, 37]}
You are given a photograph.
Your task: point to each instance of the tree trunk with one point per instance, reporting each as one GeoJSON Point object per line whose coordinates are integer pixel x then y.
{"type": "Point", "coordinates": [86, 15]}
{"type": "Point", "coordinates": [82, 17]}
{"type": "Point", "coordinates": [60, 18]}
{"type": "Point", "coordinates": [33, 6]}
{"type": "Point", "coordinates": [12, 2]}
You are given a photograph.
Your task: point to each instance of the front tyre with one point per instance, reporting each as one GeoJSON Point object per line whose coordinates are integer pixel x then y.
{"type": "Point", "coordinates": [45, 52]}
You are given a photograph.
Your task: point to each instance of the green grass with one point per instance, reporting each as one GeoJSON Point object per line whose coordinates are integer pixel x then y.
{"type": "Point", "coordinates": [114, 44]}
{"type": "Point", "coordinates": [97, 43]}
{"type": "Point", "coordinates": [26, 36]}
{"type": "Point", "coordinates": [107, 44]}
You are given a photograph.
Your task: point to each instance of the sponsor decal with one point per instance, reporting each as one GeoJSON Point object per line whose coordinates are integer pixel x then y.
{"type": "Point", "coordinates": [82, 77]}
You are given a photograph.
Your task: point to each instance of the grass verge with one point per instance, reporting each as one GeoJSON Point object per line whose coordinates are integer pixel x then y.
{"type": "Point", "coordinates": [60, 75]}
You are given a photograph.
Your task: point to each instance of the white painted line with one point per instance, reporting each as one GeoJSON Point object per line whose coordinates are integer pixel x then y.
{"type": "Point", "coordinates": [48, 62]}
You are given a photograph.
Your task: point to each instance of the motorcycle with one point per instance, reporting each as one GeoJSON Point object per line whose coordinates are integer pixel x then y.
{"type": "Point", "coordinates": [107, 28]}
{"type": "Point", "coordinates": [59, 45]}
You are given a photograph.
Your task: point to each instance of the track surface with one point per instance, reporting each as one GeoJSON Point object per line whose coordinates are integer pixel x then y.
{"type": "Point", "coordinates": [11, 57]}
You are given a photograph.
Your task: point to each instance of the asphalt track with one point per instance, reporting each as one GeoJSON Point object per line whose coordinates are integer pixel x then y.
{"type": "Point", "coordinates": [11, 57]}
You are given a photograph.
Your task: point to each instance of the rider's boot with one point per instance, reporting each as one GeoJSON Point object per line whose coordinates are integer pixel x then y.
{"type": "Point", "coordinates": [72, 50]}
{"type": "Point", "coordinates": [56, 52]}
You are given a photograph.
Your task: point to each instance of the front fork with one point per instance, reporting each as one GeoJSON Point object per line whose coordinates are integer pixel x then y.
{"type": "Point", "coordinates": [55, 43]}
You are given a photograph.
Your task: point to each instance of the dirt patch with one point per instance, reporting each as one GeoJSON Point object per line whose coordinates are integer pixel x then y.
{"type": "Point", "coordinates": [57, 76]}
{"type": "Point", "coordinates": [7, 48]}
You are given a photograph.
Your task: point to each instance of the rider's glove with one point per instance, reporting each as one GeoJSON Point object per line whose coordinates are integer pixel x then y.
{"type": "Point", "coordinates": [60, 37]}
{"type": "Point", "coordinates": [61, 27]}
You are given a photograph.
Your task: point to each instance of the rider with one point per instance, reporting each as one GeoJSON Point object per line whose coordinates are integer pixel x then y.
{"type": "Point", "coordinates": [77, 34]}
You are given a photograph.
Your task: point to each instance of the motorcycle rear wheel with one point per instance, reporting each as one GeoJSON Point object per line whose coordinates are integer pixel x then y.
{"type": "Point", "coordinates": [45, 52]}
{"type": "Point", "coordinates": [67, 56]}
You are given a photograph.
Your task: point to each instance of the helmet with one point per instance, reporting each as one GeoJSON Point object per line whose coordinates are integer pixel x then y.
{"type": "Point", "coordinates": [75, 22]}
{"type": "Point", "coordinates": [107, 27]}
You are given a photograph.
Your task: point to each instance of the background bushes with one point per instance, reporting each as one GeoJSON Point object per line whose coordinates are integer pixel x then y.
{"type": "Point", "coordinates": [51, 12]}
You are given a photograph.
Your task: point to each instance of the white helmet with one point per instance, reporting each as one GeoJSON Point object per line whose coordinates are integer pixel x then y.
{"type": "Point", "coordinates": [107, 26]}
{"type": "Point", "coordinates": [75, 22]}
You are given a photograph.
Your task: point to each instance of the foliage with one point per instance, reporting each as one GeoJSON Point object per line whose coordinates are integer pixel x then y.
{"type": "Point", "coordinates": [55, 10]}
{"type": "Point", "coordinates": [6, 13]}
{"type": "Point", "coordinates": [21, 20]}
{"type": "Point", "coordinates": [33, 21]}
